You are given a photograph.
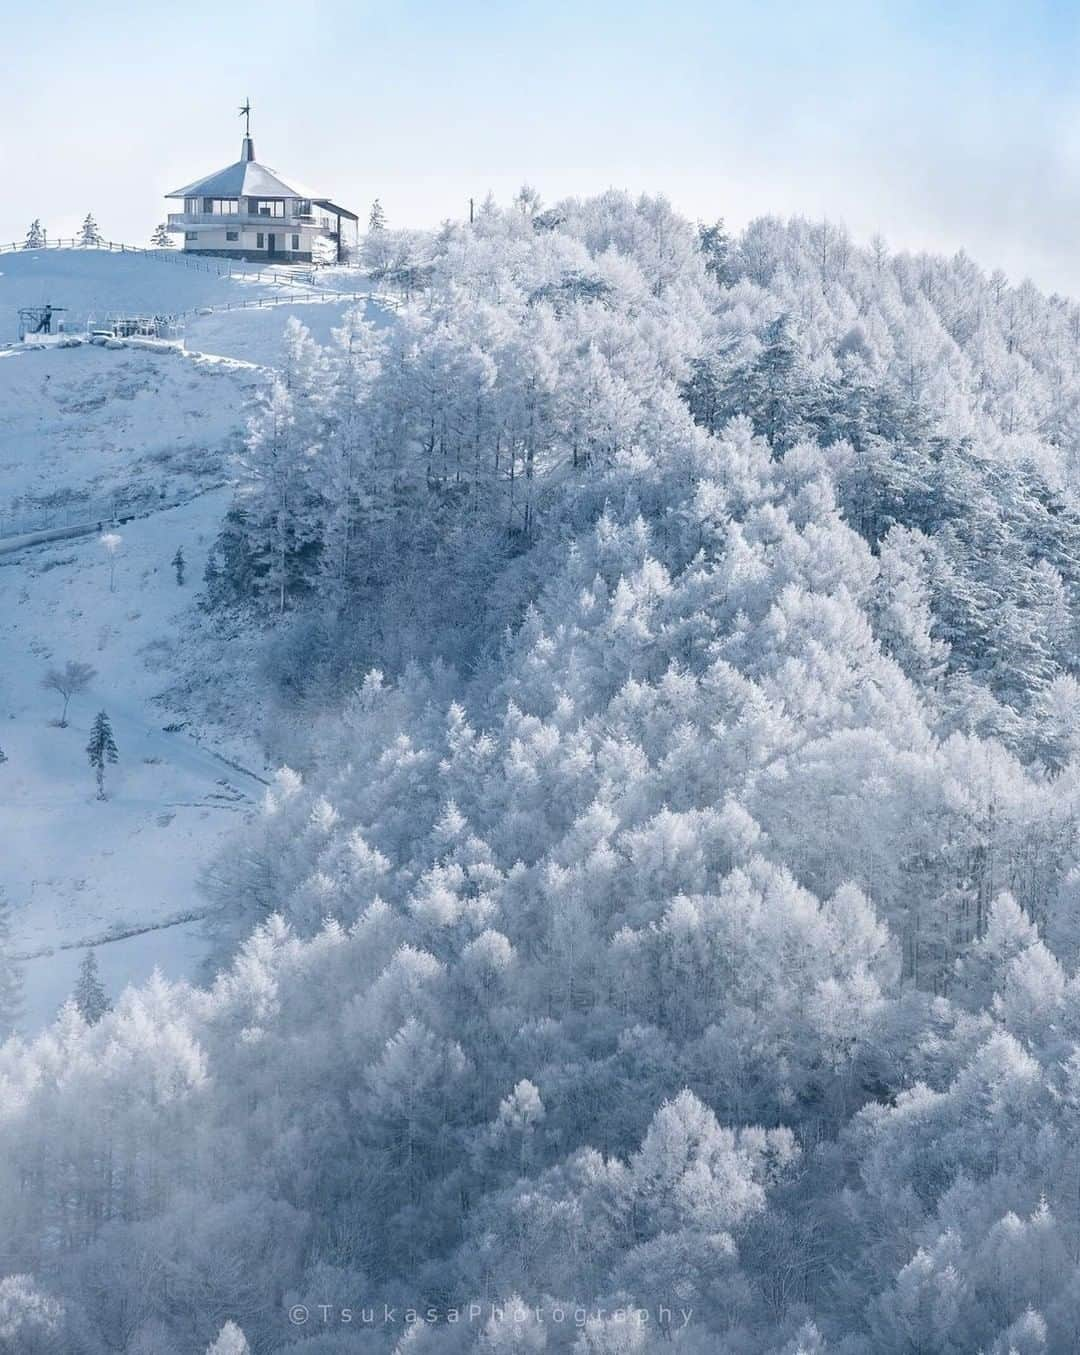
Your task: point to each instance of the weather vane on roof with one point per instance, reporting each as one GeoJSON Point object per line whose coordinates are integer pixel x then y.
{"type": "Point", "coordinates": [245, 113]}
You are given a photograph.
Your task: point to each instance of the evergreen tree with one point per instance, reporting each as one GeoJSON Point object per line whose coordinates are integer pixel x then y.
{"type": "Point", "coordinates": [378, 248]}
{"type": "Point", "coordinates": [161, 238]}
{"type": "Point", "coordinates": [179, 564]}
{"type": "Point", "coordinates": [101, 749]}
{"type": "Point", "coordinates": [715, 246]}
{"type": "Point", "coordinates": [11, 979]}
{"type": "Point", "coordinates": [772, 384]}
{"type": "Point", "coordinates": [280, 517]}
{"type": "Point", "coordinates": [89, 995]}
{"type": "Point", "coordinates": [89, 235]}
{"type": "Point", "coordinates": [35, 236]}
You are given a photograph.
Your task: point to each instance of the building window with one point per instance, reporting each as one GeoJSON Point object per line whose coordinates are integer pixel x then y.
{"type": "Point", "coordinates": [259, 240]}
{"type": "Point", "coordinates": [191, 235]}
{"type": "Point", "coordinates": [232, 235]}
{"type": "Point", "coordinates": [191, 206]}
{"type": "Point", "coordinates": [269, 206]}
{"type": "Point", "coordinates": [221, 206]}
{"type": "Point", "coordinates": [296, 242]}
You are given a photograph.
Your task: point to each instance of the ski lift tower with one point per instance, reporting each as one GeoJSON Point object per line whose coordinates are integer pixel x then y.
{"type": "Point", "coordinates": [37, 319]}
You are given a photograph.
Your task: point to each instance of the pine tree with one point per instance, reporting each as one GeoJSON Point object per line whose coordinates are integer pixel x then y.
{"type": "Point", "coordinates": [280, 522]}
{"type": "Point", "coordinates": [161, 239]}
{"type": "Point", "coordinates": [715, 244]}
{"type": "Point", "coordinates": [89, 235]}
{"type": "Point", "coordinates": [101, 749]}
{"type": "Point", "coordinates": [179, 564]}
{"type": "Point", "coordinates": [11, 980]}
{"type": "Point", "coordinates": [772, 385]}
{"type": "Point", "coordinates": [89, 995]}
{"type": "Point", "coordinates": [378, 247]}
{"type": "Point", "coordinates": [35, 236]}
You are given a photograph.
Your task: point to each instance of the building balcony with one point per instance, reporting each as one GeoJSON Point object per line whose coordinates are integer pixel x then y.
{"type": "Point", "coordinates": [186, 221]}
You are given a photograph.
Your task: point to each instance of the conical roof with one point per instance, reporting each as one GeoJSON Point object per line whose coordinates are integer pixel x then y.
{"type": "Point", "coordinates": [247, 179]}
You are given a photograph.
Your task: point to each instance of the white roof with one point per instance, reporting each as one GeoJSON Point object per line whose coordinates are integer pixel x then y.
{"type": "Point", "coordinates": [247, 179]}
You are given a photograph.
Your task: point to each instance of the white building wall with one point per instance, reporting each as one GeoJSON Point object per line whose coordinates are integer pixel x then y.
{"type": "Point", "coordinates": [287, 239]}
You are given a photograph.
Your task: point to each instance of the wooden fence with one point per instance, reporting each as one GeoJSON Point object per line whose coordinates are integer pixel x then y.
{"type": "Point", "coordinates": [223, 268]}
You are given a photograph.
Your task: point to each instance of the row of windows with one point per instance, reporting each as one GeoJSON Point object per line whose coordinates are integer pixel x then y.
{"type": "Point", "coordinates": [255, 206]}
{"type": "Point", "coordinates": [212, 206]}
{"type": "Point", "coordinates": [260, 239]}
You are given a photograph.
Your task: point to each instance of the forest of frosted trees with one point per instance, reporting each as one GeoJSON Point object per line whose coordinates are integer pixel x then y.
{"type": "Point", "coordinates": [670, 897]}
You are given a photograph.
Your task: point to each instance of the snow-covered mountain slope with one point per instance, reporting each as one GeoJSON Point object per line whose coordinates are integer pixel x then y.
{"type": "Point", "coordinates": [93, 423]}
{"type": "Point", "coordinates": [79, 870]}
{"type": "Point", "coordinates": [675, 900]}
{"type": "Point", "coordinates": [257, 335]}
{"type": "Point", "coordinates": [97, 283]}
{"type": "Point", "coordinates": [150, 435]}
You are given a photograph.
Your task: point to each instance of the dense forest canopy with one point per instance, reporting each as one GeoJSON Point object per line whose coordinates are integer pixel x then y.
{"type": "Point", "coordinates": [671, 898]}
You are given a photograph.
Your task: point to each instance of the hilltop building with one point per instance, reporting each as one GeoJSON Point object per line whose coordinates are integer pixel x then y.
{"type": "Point", "coordinates": [246, 212]}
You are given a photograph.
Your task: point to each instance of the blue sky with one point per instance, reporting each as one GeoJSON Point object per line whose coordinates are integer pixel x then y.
{"type": "Point", "coordinates": [937, 129]}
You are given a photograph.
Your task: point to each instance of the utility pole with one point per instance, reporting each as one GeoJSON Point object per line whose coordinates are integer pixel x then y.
{"type": "Point", "coordinates": [472, 211]}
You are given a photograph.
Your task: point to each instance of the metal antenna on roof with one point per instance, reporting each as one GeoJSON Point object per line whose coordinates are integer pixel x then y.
{"type": "Point", "coordinates": [245, 113]}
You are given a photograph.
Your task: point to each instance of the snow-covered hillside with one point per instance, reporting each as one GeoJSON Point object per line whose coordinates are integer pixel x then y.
{"type": "Point", "coordinates": [671, 900]}
{"type": "Point", "coordinates": [143, 440]}
{"type": "Point", "coordinates": [80, 870]}
{"type": "Point", "coordinates": [256, 335]}
{"type": "Point", "coordinates": [92, 282]}
{"type": "Point", "coordinates": [96, 424]}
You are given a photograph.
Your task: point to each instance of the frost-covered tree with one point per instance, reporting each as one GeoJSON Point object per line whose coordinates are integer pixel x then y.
{"type": "Point", "coordinates": [89, 234]}
{"type": "Point", "coordinates": [275, 526]}
{"type": "Point", "coordinates": [230, 1341]}
{"type": "Point", "coordinates": [377, 248]}
{"type": "Point", "coordinates": [89, 995]}
{"type": "Point", "coordinates": [71, 680]}
{"type": "Point", "coordinates": [680, 895]}
{"type": "Point", "coordinates": [30, 1321]}
{"type": "Point", "coordinates": [716, 248]}
{"type": "Point", "coordinates": [101, 749]}
{"type": "Point", "coordinates": [527, 201]}
{"type": "Point", "coordinates": [35, 236]}
{"type": "Point", "coordinates": [162, 238]}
